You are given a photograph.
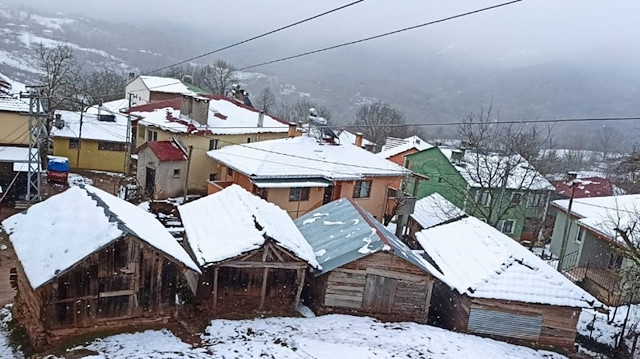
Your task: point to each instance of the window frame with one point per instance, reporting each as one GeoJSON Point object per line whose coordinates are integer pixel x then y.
{"type": "Point", "coordinates": [299, 194]}
{"type": "Point", "coordinates": [579, 238]}
{"type": "Point", "coordinates": [150, 134]}
{"type": "Point", "coordinates": [520, 196]}
{"type": "Point", "coordinates": [358, 187]}
{"type": "Point", "coordinates": [76, 143]}
{"type": "Point", "coordinates": [513, 226]}
{"type": "Point", "coordinates": [111, 146]}
{"type": "Point", "coordinates": [480, 195]}
{"type": "Point", "coordinates": [178, 174]}
{"type": "Point", "coordinates": [536, 199]}
{"type": "Point", "coordinates": [229, 172]}
{"type": "Point", "coordinates": [213, 144]}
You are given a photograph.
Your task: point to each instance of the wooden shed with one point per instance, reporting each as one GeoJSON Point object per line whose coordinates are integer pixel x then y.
{"type": "Point", "coordinates": [431, 211]}
{"type": "Point", "coordinates": [493, 286]}
{"type": "Point", "coordinates": [90, 261]}
{"type": "Point", "coordinates": [252, 255]}
{"type": "Point", "coordinates": [366, 270]}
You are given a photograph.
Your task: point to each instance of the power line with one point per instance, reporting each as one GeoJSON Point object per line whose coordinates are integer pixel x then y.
{"type": "Point", "coordinates": [380, 35]}
{"type": "Point", "coordinates": [256, 37]}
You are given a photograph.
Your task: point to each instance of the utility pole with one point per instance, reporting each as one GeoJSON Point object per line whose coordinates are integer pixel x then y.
{"type": "Point", "coordinates": [127, 150]}
{"type": "Point", "coordinates": [186, 177]}
{"type": "Point", "coordinates": [565, 233]}
{"type": "Point", "coordinates": [36, 135]}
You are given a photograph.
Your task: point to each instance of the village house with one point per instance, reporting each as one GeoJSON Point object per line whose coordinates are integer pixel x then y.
{"type": "Point", "coordinates": [592, 246]}
{"type": "Point", "coordinates": [366, 270]}
{"type": "Point", "coordinates": [14, 121]}
{"type": "Point", "coordinates": [302, 173]}
{"type": "Point", "coordinates": [585, 187]}
{"type": "Point", "coordinates": [162, 168]}
{"type": "Point", "coordinates": [505, 190]}
{"type": "Point", "coordinates": [428, 212]}
{"type": "Point", "coordinates": [201, 124]}
{"type": "Point", "coordinates": [396, 149]}
{"type": "Point", "coordinates": [146, 89]}
{"type": "Point", "coordinates": [93, 140]}
{"type": "Point", "coordinates": [252, 255]}
{"type": "Point", "coordinates": [89, 261]}
{"type": "Point", "coordinates": [492, 286]}
{"type": "Point", "coordinates": [14, 166]}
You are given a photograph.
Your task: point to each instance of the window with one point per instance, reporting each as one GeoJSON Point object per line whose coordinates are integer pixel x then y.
{"type": "Point", "coordinates": [176, 172]}
{"type": "Point", "coordinates": [516, 198]}
{"type": "Point", "coordinates": [248, 139]}
{"type": "Point", "coordinates": [213, 176]}
{"type": "Point", "coordinates": [580, 235]}
{"type": "Point", "coordinates": [260, 192]}
{"type": "Point", "coordinates": [141, 132]}
{"type": "Point", "coordinates": [74, 143]}
{"type": "Point", "coordinates": [508, 226]}
{"type": "Point", "coordinates": [483, 198]}
{"type": "Point", "coordinates": [229, 172]}
{"type": "Point", "coordinates": [213, 145]}
{"type": "Point", "coordinates": [536, 200]}
{"type": "Point", "coordinates": [299, 194]}
{"type": "Point", "coordinates": [152, 135]}
{"type": "Point", "coordinates": [110, 146]}
{"type": "Point", "coordinates": [362, 189]}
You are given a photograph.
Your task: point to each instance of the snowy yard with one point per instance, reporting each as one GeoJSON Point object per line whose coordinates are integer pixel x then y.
{"type": "Point", "coordinates": [602, 331]}
{"type": "Point", "coordinates": [331, 336]}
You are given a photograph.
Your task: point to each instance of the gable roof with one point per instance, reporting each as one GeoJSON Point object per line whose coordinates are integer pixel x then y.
{"type": "Point", "coordinates": [52, 236]}
{"type": "Point", "coordinates": [169, 85]}
{"type": "Point", "coordinates": [394, 146]}
{"type": "Point", "coordinates": [341, 232]}
{"type": "Point", "coordinates": [481, 170]}
{"type": "Point", "coordinates": [478, 260]}
{"type": "Point", "coordinates": [603, 214]}
{"type": "Point", "coordinates": [586, 187]}
{"type": "Point", "coordinates": [14, 104]}
{"type": "Point", "coordinates": [233, 221]}
{"type": "Point", "coordinates": [434, 210]}
{"type": "Point", "coordinates": [165, 150]}
{"type": "Point", "coordinates": [226, 117]}
{"type": "Point", "coordinates": [345, 137]}
{"type": "Point", "coordinates": [92, 127]}
{"type": "Point", "coordinates": [305, 157]}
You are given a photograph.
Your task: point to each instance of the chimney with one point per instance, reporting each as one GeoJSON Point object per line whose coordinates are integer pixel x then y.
{"type": "Point", "coordinates": [261, 119]}
{"type": "Point", "coordinates": [132, 75]}
{"type": "Point", "coordinates": [292, 129]}
{"type": "Point", "coordinates": [58, 122]}
{"type": "Point", "coordinates": [186, 106]}
{"type": "Point", "coordinates": [358, 139]}
{"type": "Point", "coordinates": [195, 108]}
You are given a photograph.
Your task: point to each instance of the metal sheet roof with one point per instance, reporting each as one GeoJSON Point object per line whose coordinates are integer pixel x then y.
{"type": "Point", "coordinates": [289, 183]}
{"type": "Point", "coordinates": [341, 232]}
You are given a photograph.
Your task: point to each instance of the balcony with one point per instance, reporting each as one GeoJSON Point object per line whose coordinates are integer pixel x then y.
{"type": "Point", "coordinates": [217, 186]}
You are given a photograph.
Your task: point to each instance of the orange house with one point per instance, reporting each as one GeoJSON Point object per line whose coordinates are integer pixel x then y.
{"type": "Point", "coordinates": [300, 174]}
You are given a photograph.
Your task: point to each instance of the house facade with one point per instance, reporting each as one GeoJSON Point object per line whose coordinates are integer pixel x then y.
{"type": "Point", "coordinates": [203, 124]}
{"type": "Point", "coordinates": [146, 89]}
{"type": "Point", "coordinates": [14, 121]}
{"type": "Point", "coordinates": [93, 140]}
{"type": "Point", "coordinates": [162, 168]}
{"type": "Point", "coordinates": [396, 149]}
{"type": "Point", "coordinates": [302, 173]}
{"type": "Point", "coordinates": [116, 267]}
{"type": "Point", "coordinates": [592, 247]}
{"type": "Point", "coordinates": [477, 183]}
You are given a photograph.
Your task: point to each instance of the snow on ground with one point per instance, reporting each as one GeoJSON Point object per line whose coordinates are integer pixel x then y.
{"type": "Point", "coordinates": [75, 179]}
{"type": "Point", "coordinates": [6, 351]}
{"type": "Point", "coordinates": [603, 331]}
{"type": "Point", "coordinates": [331, 336]}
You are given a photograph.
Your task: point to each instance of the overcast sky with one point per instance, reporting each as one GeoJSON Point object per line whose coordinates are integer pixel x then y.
{"type": "Point", "coordinates": [581, 31]}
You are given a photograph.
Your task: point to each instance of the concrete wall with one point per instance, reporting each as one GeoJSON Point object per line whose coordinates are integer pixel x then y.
{"type": "Point", "coordinates": [375, 203]}
{"type": "Point", "coordinates": [90, 157]}
{"type": "Point", "coordinates": [202, 166]}
{"type": "Point", "coordinates": [556, 236]}
{"type": "Point", "coordinates": [14, 128]}
{"type": "Point", "coordinates": [139, 91]}
{"type": "Point", "coordinates": [166, 183]}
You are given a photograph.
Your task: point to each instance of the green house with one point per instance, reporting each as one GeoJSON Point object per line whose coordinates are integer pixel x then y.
{"type": "Point", "coordinates": [505, 191]}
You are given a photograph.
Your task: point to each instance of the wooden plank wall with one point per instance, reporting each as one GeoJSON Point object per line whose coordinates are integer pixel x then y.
{"type": "Point", "coordinates": [381, 285]}
{"type": "Point", "coordinates": [449, 309]}
{"type": "Point", "coordinates": [124, 280]}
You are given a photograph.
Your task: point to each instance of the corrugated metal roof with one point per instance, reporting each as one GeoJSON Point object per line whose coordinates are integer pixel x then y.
{"type": "Point", "coordinates": [289, 183]}
{"type": "Point", "coordinates": [341, 232]}
{"type": "Point", "coordinates": [166, 151]}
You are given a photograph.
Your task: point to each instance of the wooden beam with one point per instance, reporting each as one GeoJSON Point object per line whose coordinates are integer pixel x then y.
{"type": "Point", "coordinates": [264, 265]}
{"type": "Point", "coordinates": [116, 293]}
{"type": "Point", "coordinates": [263, 292]}
{"type": "Point", "coordinates": [215, 288]}
{"type": "Point", "coordinates": [300, 275]}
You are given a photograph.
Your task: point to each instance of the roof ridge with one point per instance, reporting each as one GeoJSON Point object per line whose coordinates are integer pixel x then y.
{"type": "Point", "coordinates": [109, 213]}
{"type": "Point", "coordinates": [366, 218]}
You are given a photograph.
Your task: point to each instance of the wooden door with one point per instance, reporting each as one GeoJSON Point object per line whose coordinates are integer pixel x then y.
{"type": "Point", "coordinates": [116, 280]}
{"type": "Point", "coordinates": [379, 293]}
{"type": "Point", "coordinates": [150, 181]}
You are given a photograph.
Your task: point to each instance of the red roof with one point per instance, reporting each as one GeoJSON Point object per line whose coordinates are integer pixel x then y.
{"type": "Point", "coordinates": [587, 187]}
{"type": "Point", "coordinates": [176, 102]}
{"type": "Point", "coordinates": [166, 151]}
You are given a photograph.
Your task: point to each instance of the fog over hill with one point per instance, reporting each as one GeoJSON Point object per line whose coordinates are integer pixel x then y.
{"type": "Point", "coordinates": [532, 60]}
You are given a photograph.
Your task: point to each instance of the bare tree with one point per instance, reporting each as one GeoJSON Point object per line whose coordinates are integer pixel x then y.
{"type": "Point", "coordinates": [266, 100]}
{"type": "Point", "coordinates": [102, 86]}
{"type": "Point", "coordinates": [378, 120]}
{"type": "Point", "coordinates": [299, 111]}
{"type": "Point", "coordinates": [606, 141]}
{"type": "Point", "coordinates": [60, 77]}
{"type": "Point", "coordinates": [219, 77]}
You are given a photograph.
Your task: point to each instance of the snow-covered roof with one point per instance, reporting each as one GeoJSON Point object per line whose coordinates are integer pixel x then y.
{"type": "Point", "coordinates": [224, 225]}
{"type": "Point", "coordinates": [168, 85]}
{"type": "Point", "coordinates": [488, 170]}
{"type": "Point", "coordinates": [585, 187]}
{"type": "Point", "coordinates": [604, 214]}
{"type": "Point", "coordinates": [434, 210]}
{"type": "Point", "coordinates": [341, 232]}
{"type": "Point", "coordinates": [14, 104]}
{"type": "Point", "coordinates": [394, 146]}
{"type": "Point", "coordinates": [345, 137]}
{"type": "Point", "coordinates": [54, 235]}
{"type": "Point", "coordinates": [92, 127]}
{"type": "Point", "coordinates": [111, 106]}
{"type": "Point", "coordinates": [305, 157]}
{"type": "Point", "coordinates": [287, 183]}
{"type": "Point", "coordinates": [226, 117]}
{"type": "Point", "coordinates": [19, 156]}
{"type": "Point", "coordinates": [481, 262]}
